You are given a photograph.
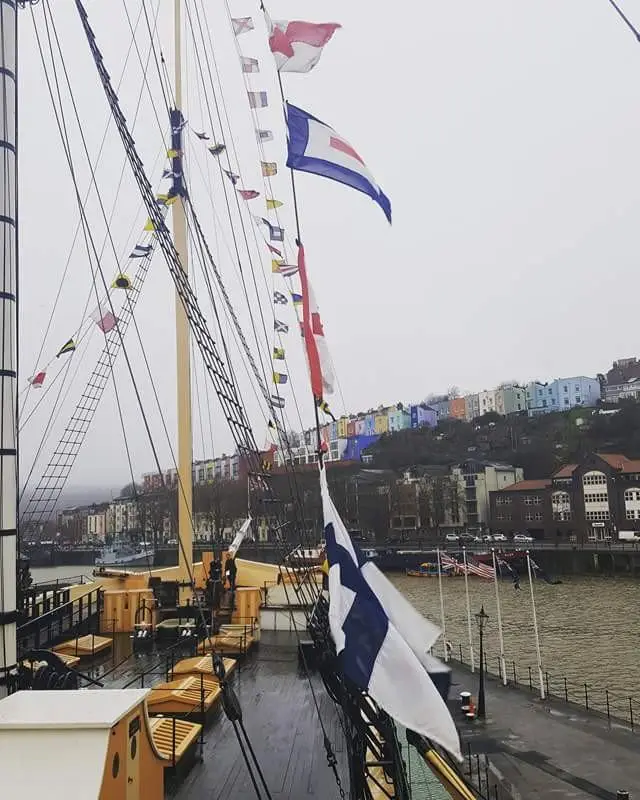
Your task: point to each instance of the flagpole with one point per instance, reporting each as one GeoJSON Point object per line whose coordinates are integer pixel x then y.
{"type": "Point", "coordinates": [535, 629]}
{"type": "Point", "coordinates": [503, 668]}
{"type": "Point", "coordinates": [466, 592]}
{"type": "Point", "coordinates": [444, 626]}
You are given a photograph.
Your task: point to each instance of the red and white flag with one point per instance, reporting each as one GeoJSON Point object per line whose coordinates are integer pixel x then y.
{"type": "Point", "coordinates": [104, 319]}
{"type": "Point", "coordinates": [297, 46]}
{"type": "Point", "coordinates": [313, 334]}
{"type": "Point", "coordinates": [38, 380]}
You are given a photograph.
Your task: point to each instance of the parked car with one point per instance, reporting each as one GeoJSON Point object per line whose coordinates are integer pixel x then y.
{"type": "Point", "coordinates": [499, 537]}
{"type": "Point", "coordinates": [522, 537]}
{"type": "Point", "coordinates": [451, 537]}
{"type": "Point", "coordinates": [468, 538]}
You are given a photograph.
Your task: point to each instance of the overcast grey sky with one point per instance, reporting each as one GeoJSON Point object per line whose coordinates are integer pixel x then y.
{"type": "Point", "coordinates": [506, 136]}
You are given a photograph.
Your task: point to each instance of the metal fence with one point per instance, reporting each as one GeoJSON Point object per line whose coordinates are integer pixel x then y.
{"type": "Point", "coordinates": [612, 704]}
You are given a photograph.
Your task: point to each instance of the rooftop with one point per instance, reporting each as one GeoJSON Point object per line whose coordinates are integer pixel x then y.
{"type": "Point", "coordinates": [527, 486]}
{"type": "Point", "coordinates": [620, 462]}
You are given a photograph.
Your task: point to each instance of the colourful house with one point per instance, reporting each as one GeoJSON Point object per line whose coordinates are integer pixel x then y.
{"type": "Point", "coordinates": [399, 419]}
{"type": "Point", "coordinates": [423, 416]}
{"type": "Point", "coordinates": [457, 408]}
{"type": "Point", "coordinates": [333, 431]}
{"type": "Point", "coordinates": [342, 427]}
{"type": "Point", "coordinates": [359, 426]}
{"type": "Point", "coordinates": [351, 427]}
{"type": "Point", "coordinates": [381, 422]}
{"type": "Point", "coordinates": [369, 425]}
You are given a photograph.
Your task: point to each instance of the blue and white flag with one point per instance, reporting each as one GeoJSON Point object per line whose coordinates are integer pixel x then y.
{"type": "Point", "coordinates": [315, 147]}
{"type": "Point", "coordinates": [382, 641]}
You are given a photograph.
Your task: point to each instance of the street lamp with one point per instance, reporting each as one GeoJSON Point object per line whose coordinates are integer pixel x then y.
{"type": "Point", "coordinates": [481, 618]}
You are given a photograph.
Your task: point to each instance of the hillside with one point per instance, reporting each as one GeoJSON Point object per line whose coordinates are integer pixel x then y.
{"type": "Point", "coordinates": [538, 444]}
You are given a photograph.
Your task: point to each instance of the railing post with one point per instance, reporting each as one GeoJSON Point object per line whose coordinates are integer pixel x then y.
{"type": "Point", "coordinates": [546, 682]}
{"type": "Point", "coordinates": [515, 677]}
{"type": "Point", "coordinates": [566, 693]}
{"type": "Point", "coordinates": [460, 646]}
{"type": "Point", "coordinates": [631, 712]}
{"type": "Point", "coordinates": [586, 697]}
{"type": "Point", "coordinates": [606, 695]}
{"type": "Point", "coordinates": [530, 680]}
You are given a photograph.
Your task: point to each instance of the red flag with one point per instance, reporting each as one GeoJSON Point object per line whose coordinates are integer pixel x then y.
{"type": "Point", "coordinates": [296, 45]}
{"type": "Point", "coordinates": [248, 194]}
{"type": "Point", "coordinates": [38, 380]}
{"type": "Point", "coordinates": [313, 334]}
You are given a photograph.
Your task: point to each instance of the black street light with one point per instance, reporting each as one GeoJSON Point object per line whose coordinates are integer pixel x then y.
{"type": "Point", "coordinates": [482, 618]}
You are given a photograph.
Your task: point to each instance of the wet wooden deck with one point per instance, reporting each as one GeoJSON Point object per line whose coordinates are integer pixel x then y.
{"type": "Point", "coordinates": [282, 723]}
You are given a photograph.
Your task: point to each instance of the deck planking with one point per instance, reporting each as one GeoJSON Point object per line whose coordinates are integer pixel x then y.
{"type": "Point", "coordinates": [282, 723]}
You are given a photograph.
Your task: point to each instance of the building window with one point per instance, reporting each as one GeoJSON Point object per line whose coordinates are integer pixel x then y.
{"type": "Point", "coordinates": [528, 516]}
{"type": "Point", "coordinates": [566, 388]}
{"type": "Point", "coordinates": [499, 500]}
{"type": "Point", "coordinates": [528, 500]}
{"type": "Point", "coordinates": [631, 514]}
{"type": "Point", "coordinates": [500, 517]}
{"type": "Point", "coordinates": [594, 478]}
{"type": "Point", "coordinates": [632, 494]}
{"type": "Point", "coordinates": [566, 401]}
{"type": "Point", "coordinates": [538, 516]}
{"type": "Point", "coordinates": [537, 500]}
{"type": "Point", "coordinates": [597, 516]}
{"type": "Point", "coordinates": [597, 497]}
{"type": "Point", "coordinates": [508, 517]}
{"type": "Point", "coordinates": [562, 516]}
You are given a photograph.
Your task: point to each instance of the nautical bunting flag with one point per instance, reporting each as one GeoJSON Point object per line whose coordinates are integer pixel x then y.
{"type": "Point", "coordinates": [249, 64]}
{"type": "Point", "coordinates": [280, 378]}
{"type": "Point", "coordinates": [273, 204]}
{"type": "Point", "coordinates": [313, 333]}
{"type": "Point", "coordinates": [202, 135]}
{"type": "Point", "coordinates": [280, 327]}
{"type": "Point", "coordinates": [275, 265]}
{"type": "Point", "coordinates": [315, 147]}
{"type": "Point", "coordinates": [121, 281]}
{"type": "Point", "coordinates": [324, 406]}
{"type": "Point", "coordinates": [242, 25]}
{"type": "Point", "coordinates": [232, 176]}
{"type": "Point", "coordinates": [276, 234]}
{"type": "Point", "coordinates": [296, 299]}
{"type": "Point", "coordinates": [104, 319]}
{"type": "Point", "coordinates": [273, 249]}
{"type": "Point", "coordinates": [278, 297]}
{"type": "Point", "coordinates": [68, 347]}
{"type": "Point", "coordinates": [169, 173]}
{"type": "Point", "coordinates": [288, 270]}
{"type": "Point", "coordinates": [539, 572]}
{"type": "Point", "coordinates": [297, 46]}
{"type": "Point", "coordinates": [166, 200]}
{"type": "Point", "coordinates": [140, 251]}
{"type": "Point", "coordinates": [257, 99]}
{"type": "Point", "coordinates": [217, 149]}
{"type": "Point", "coordinates": [173, 153]}
{"type": "Point", "coordinates": [180, 126]}
{"type": "Point", "coordinates": [278, 353]}
{"type": "Point", "coordinates": [379, 636]}
{"type": "Point", "coordinates": [277, 402]}
{"type": "Point", "coordinates": [264, 136]}
{"type": "Point", "coordinates": [271, 425]}
{"type": "Point", "coordinates": [269, 169]}
{"type": "Point", "coordinates": [248, 194]}
{"type": "Point", "coordinates": [512, 572]}
{"type": "Point", "coordinates": [38, 380]}
{"type": "Point", "coordinates": [149, 225]}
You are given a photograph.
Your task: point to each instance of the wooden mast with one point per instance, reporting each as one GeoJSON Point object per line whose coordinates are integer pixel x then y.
{"type": "Point", "coordinates": [8, 342]}
{"type": "Point", "coordinates": [183, 339]}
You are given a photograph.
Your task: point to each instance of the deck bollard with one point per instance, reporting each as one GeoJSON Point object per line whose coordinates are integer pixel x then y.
{"type": "Point", "coordinates": [621, 794]}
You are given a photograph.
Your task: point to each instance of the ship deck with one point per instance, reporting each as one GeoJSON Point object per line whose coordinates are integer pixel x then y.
{"type": "Point", "coordinates": [280, 719]}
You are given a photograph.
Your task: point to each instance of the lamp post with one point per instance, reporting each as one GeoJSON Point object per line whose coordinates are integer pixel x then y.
{"type": "Point", "coordinates": [481, 618]}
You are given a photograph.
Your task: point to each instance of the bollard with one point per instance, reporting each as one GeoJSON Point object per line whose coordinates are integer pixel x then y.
{"type": "Point", "coordinates": [621, 794]}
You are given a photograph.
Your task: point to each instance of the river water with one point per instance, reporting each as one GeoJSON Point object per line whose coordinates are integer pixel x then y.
{"type": "Point", "coordinates": [589, 629]}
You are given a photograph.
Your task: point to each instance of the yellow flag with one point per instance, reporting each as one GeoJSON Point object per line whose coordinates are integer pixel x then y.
{"type": "Point", "coordinates": [173, 153]}
{"type": "Point", "coordinates": [271, 204]}
{"type": "Point", "coordinates": [275, 265]}
{"type": "Point", "coordinates": [121, 281]}
{"type": "Point", "coordinates": [149, 225]}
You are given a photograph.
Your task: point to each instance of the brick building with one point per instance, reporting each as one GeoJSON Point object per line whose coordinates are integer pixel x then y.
{"type": "Point", "coordinates": [592, 500]}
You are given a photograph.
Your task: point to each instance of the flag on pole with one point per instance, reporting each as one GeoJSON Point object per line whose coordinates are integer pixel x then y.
{"type": "Point", "coordinates": [273, 249]}
{"type": "Point", "coordinates": [538, 572]}
{"type": "Point", "coordinates": [202, 135]}
{"type": "Point", "coordinates": [217, 149]}
{"type": "Point", "coordinates": [269, 169]}
{"type": "Point", "coordinates": [258, 99]}
{"type": "Point", "coordinates": [140, 251]}
{"type": "Point", "coordinates": [379, 636]}
{"type": "Point", "coordinates": [273, 204]}
{"type": "Point", "coordinates": [264, 136]}
{"type": "Point", "coordinates": [278, 297]}
{"type": "Point", "coordinates": [276, 401]}
{"type": "Point", "coordinates": [275, 265]}
{"type": "Point", "coordinates": [280, 378]}
{"type": "Point", "coordinates": [249, 64]}
{"type": "Point", "coordinates": [278, 353]}
{"type": "Point", "coordinates": [239, 537]}
{"type": "Point", "coordinates": [276, 234]}
{"type": "Point", "coordinates": [280, 327]}
{"type": "Point", "coordinates": [68, 347]}
{"type": "Point", "coordinates": [288, 270]}
{"type": "Point", "coordinates": [296, 298]}
{"type": "Point", "coordinates": [313, 333]}
{"type": "Point", "coordinates": [242, 25]}
{"type": "Point", "coordinates": [104, 319]}
{"type": "Point", "coordinates": [315, 147]}
{"type": "Point", "coordinates": [248, 194]}
{"type": "Point", "coordinates": [232, 176]}
{"type": "Point", "coordinates": [38, 380]}
{"type": "Point", "coordinates": [297, 46]}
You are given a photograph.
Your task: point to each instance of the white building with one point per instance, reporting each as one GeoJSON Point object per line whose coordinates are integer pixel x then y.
{"type": "Point", "coordinates": [477, 479]}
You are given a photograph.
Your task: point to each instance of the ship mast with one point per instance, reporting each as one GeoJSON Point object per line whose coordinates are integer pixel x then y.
{"type": "Point", "coordinates": [183, 341]}
{"type": "Point", "coordinates": [9, 341]}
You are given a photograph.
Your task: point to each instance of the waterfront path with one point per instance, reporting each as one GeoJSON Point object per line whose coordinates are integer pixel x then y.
{"type": "Point", "coordinates": [539, 749]}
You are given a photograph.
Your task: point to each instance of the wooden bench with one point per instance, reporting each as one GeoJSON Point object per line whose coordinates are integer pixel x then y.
{"type": "Point", "coordinates": [175, 739]}
{"type": "Point", "coordinates": [83, 646]}
{"type": "Point", "coordinates": [191, 695]}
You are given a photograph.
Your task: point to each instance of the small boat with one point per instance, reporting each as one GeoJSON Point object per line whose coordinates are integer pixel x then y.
{"type": "Point", "coordinates": [121, 554]}
{"type": "Point", "coordinates": [430, 570]}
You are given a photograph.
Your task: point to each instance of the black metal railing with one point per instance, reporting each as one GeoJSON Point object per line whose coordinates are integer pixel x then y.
{"type": "Point", "coordinates": [66, 620]}
{"type": "Point", "coordinates": [610, 703]}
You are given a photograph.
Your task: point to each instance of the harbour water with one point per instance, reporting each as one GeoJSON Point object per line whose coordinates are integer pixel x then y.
{"type": "Point", "coordinates": [589, 628]}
